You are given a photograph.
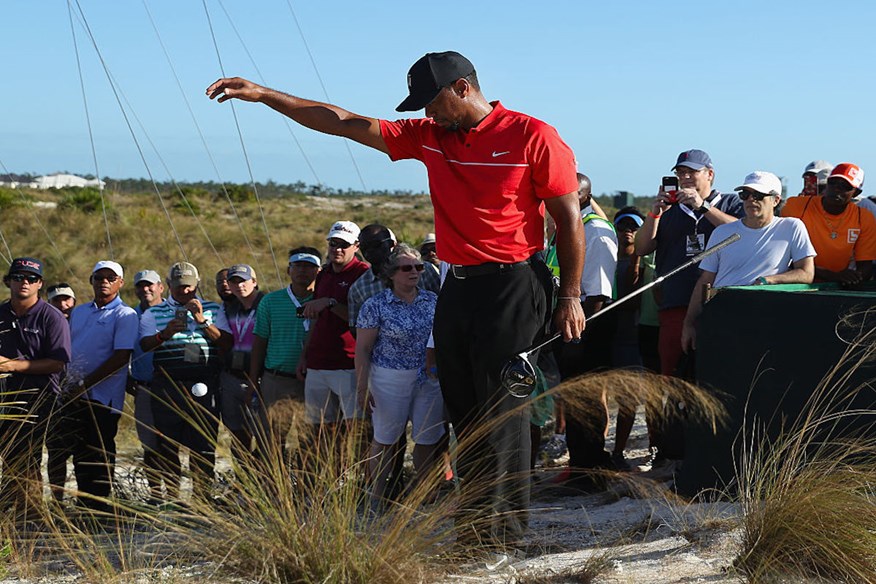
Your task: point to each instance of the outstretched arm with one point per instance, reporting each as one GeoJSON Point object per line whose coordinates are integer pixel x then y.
{"type": "Point", "coordinates": [322, 117]}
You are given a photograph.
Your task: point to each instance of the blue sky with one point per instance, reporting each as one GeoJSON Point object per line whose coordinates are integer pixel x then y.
{"type": "Point", "coordinates": [759, 85]}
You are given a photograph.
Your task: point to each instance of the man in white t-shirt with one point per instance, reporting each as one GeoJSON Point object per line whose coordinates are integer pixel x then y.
{"type": "Point", "coordinates": [772, 250]}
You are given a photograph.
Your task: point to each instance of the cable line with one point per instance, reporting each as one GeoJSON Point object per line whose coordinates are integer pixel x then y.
{"type": "Point", "coordinates": [324, 90]}
{"type": "Point", "coordinates": [109, 239]}
{"type": "Point", "coordinates": [255, 189]}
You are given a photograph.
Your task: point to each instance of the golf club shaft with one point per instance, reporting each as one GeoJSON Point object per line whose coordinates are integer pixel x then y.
{"type": "Point", "coordinates": [694, 260]}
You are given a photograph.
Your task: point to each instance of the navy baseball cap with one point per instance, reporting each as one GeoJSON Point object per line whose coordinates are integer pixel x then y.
{"type": "Point", "coordinates": [429, 75]}
{"type": "Point", "coordinates": [242, 271]}
{"type": "Point", "coordinates": [30, 265]}
{"type": "Point", "coordinates": [695, 159]}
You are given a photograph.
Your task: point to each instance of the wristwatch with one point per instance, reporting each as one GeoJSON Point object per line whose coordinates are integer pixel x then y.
{"type": "Point", "coordinates": [704, 208]}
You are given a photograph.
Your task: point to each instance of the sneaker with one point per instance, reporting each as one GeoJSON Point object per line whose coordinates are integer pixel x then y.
{"type": "Point", "coordinates": [555, 447]}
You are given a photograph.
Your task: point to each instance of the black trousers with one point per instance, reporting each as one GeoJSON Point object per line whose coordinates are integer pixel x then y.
{"type": "Point", "coordinates": [587, 418]}
{"type": "Point", "coordinates": [21, 444]}
{"type": "Point", "coordinates": [182, 419]}
{"type": "Point", "coordinates": [64, 438]}
{"type": "Point", "coordinates": [480, 323]}
{"type": "Point", "coordinates": [94, 461]}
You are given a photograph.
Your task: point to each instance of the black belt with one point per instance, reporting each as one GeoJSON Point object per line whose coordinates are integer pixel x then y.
{"type": "Point", "coordinates": [279, 373]}
{"type": "Point", "coordinates": [462, 272]}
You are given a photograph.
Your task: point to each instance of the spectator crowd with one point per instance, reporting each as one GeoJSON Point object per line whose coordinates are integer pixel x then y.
{"type": "Point", "coordinates": [349, 338]}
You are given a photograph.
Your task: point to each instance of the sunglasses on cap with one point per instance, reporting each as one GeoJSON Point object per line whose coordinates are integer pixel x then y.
{"type": "Point", "coordinates": [745, 195]}
{"type": "Point", "coordinates": [409, 267]}
{"type": "Point", "coordinates": [29, 278]}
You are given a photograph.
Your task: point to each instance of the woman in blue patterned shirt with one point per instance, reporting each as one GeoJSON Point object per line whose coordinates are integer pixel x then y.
{"type": "Point", "coordinates": [391, 334]}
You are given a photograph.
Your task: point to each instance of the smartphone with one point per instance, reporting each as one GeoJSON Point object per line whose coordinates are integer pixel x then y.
{"type": "Point", "coordinates": [181, 314]}
{"type": "Point", "coordinates": [299, 312]}
{"type": "Point", "coordinates": [670, 187]}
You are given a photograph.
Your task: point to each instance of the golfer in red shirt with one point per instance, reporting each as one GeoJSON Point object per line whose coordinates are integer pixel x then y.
{"type": "Point", "coordinates": [492, 173]}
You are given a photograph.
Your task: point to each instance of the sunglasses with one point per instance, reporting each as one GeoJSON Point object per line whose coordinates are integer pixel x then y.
{"type": "Point", "coordinates": [339, 244]}
{"type": "Point", "coordinates": [745, 195]}
{"type": "Point", "coordinates": [409, 267]}
{"type": "Point", "coordinates": [111, 278]}
{"type": "Point", "coordinates": [29, 278]}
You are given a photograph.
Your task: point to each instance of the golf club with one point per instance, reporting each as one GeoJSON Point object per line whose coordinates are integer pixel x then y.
{"type": "Point", "coordinates": [518, 374]}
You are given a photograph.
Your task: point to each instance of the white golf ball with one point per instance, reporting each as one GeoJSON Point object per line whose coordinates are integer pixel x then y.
{"type": "Point", "coordinates": [199, 389]}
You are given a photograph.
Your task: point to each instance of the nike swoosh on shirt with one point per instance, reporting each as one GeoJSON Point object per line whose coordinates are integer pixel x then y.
{"type": "Point", "coordinates": [495, 154]}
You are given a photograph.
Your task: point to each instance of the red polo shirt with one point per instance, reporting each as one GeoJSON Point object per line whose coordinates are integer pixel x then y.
{"type": "Point", "coordinates": [487, 184]}
{"type": "Point", "coordinates": [331, 344]}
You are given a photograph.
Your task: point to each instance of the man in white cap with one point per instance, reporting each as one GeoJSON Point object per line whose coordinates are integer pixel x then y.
{"type": "Point", "coordinates": [428, 249]}
{"type": "Point", "coordinates": [149, 289]}
{"type": "Point", "coordinates": [103, 334]}
{"type": "Point", "coordinates": [330, 383]}
{"type": "Point", "coordinates": [844, 234]}
{"type": "Point", "coordinates": [278, 341]}
{"type": "Point", "coordinates": [767, 247]}
{"type": "Point", "coordinates": [62, 297]}
{"type": "Point", "coordinates": [188, 336]}
{"type": "Point", "coordinates": [810, 177]}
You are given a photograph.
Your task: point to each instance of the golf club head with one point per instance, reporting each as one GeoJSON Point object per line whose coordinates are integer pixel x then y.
{"type": "Point", "coordinates": [519, 377]}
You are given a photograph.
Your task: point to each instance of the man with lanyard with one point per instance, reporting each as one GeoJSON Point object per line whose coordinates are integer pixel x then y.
{"type": "Point", "coordinates": [188, 336]}
{"type": "Point", "coordinates": [678, 228]}
{"type": "Point", "coordinates": [278, 339]}
{"type": "Point", "coordinates": [149, 288]}
{"type": "Point", "coordinates": [234, 396]}
{"type": "Point", "coordinates": [330, 384]}
{"type": "Point", "coordinates": [844, 234]}
{"type": "Point", "coordinates": [34, 347]}
{"type": "Point", "coordinates": [491, 171]}
{"type": "Point", "coordinates": [585, 424]}
{"type": "Point", "coordinates": [103, 334]}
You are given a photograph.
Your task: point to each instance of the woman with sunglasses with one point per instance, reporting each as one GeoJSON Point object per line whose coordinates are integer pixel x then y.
{"type": "Point", "coordinates": [393, 328]}
{"type": "Point", "coordinates": [771, 250]}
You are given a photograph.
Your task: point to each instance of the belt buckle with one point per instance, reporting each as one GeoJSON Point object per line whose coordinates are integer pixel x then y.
{"type": "Point", "coordinates": [453, 271]}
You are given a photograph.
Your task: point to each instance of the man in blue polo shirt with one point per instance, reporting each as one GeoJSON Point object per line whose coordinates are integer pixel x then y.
{"type": "Point", "coordinates": [34, 347]}
{"type": "Point", "coordinates": [678, 227]}
{"type": "Point", "coordinates": [103, 335]}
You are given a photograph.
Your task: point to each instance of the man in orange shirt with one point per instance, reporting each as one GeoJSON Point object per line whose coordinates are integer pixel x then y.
{"type": "Point", "coordinates": [844, 235]}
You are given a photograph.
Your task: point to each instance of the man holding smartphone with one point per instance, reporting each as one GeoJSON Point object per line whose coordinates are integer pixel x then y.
{"type": "Point", "coordinates": [187, 336]}
{"type": "Point", "coordinates": [678, 228]}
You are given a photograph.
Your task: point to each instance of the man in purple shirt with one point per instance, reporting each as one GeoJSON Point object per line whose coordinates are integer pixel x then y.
{"type": "Point", "coordinates": [103, 335]}
{"type": "Point", "coordinates": [34, 346]}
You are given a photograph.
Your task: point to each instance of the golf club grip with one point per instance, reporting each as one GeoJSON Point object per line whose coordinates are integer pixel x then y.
{"type": "Point", "coordinates": [694, 260]}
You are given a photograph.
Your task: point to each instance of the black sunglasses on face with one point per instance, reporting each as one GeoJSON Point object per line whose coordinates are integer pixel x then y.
{"type": "Point", "coordinates": [29, 278]}
{"type": "Point", "coordinates": [744, 195]}
{"type": "Point", "coordinates": [339, 244]}
{"type": "Point", "coordinates": [111, 278]}
{"type": "Point", "coordinates": [409, 267]}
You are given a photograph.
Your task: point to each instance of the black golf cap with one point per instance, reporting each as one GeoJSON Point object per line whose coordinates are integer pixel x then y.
{"type": "Point", "coordinates": [429, 75]}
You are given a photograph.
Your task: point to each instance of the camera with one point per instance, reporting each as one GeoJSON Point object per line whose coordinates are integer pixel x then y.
{"type": "Point", "coordinates": [299, 312]}
{"type": "Point", "coordinates": [181, 314]}
{"type": "Point", "coordinates": [670, 187]}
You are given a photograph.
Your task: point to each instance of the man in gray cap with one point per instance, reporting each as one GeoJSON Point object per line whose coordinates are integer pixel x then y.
{"type": "Point", "coordinates": [149, 289]}
{"type": "Point", "coordinates": [492, 172]}
{"type": "Point", "coordinates": [811, 174]}
{"type": "Point", "coordinates": [188, 336]}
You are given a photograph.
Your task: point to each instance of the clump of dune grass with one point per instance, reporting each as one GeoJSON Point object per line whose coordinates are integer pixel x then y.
{"type": "Point", "coordinates": [808, 496]}
{"type": "Point", "coordinates": [586, 572]}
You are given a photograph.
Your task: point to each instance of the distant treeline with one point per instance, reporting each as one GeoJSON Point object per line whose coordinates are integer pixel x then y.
{"type": "Point", "coordinates": [267, 189]}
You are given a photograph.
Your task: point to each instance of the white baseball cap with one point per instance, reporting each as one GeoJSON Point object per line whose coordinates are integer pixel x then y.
{"type": "Point", "coordinates": [346, 230]}
{"type": "Point", "coordinates": [762, 182]}
{"type": "Point", "coordinates": [817, 165]}
{"type": "Point", "coordinates": [109, 265]}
